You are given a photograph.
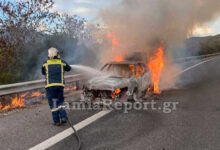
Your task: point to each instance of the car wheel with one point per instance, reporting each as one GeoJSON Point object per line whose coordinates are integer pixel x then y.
{"type": "Point", "coordinates": [86, 99]}
{"type": "Point", "coordinates": [150, 88]}
{"type": "Point", "coordinates": [138, 96]}
{"type": "Point", "coordinates": [124, 97]}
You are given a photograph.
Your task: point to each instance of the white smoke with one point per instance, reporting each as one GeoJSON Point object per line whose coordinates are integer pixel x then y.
{"type": "Point", "coordinates": [140, 24]}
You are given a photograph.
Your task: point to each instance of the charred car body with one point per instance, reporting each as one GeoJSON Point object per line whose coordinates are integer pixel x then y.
{"type": "Point", "coordinates": [122, 81]}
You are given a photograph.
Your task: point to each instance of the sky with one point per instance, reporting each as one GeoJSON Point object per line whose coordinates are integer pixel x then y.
{"type": "Point", "coordinates": [85, 8]}
{"type": "Point", "coordinates": [211, 28]}
{"type": "Point", "coordinates": [89, 9]}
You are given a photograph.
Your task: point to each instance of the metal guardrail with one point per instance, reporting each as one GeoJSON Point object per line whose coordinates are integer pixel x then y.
{"type": "Point", "coordinates": [33, 85]}
{"type": "Point", "coordinates": [196, 57]}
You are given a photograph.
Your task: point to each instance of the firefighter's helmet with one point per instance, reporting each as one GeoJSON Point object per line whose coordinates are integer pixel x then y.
{"type": "Point", "coordinates": [53, 52]}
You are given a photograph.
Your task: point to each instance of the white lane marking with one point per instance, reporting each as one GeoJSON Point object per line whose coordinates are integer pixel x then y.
{"type": "Point", "coordinates": [191, 67]}
{"type": "Point", "coordinates": [64, 134]}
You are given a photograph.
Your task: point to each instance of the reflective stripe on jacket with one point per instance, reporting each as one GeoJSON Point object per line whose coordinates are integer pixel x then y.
{"type": "Point", "coordinates": [54, 70]}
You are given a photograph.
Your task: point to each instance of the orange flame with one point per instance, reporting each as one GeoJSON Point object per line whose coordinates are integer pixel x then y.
{"type": "Point", "coordinates": [113, 38]}
{"type": "Point", "coordinates": [74, 88]}
{"type": "Point", "coordinates": [114, 43]}
{"type": "Point", "coordinates": [6, 107]}
{"type": "Point", "coordinates": [36, 94]}
{"type": "Point", "coordinates": [155, 65]}
{"type": "Point", "coordinates": [68, 89]}
{"type": "Point", "coordinates": [16, 102]}
{"type": "Point", "coordinates": [1, 106]}
{"type": "Point", "coordinates": [119, 58]}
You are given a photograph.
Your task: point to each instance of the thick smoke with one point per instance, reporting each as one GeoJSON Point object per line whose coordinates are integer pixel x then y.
{"type": "Point", "coordinates": [142, 24]}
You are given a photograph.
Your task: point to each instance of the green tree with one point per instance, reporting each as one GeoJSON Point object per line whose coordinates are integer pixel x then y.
{"type": "Point", "coordinates": [19, 25]}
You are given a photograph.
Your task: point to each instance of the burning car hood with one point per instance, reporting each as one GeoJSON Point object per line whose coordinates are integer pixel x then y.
{"type": "Point", "coordinates": [106, 83]}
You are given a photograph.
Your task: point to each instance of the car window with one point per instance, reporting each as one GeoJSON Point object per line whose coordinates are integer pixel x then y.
{"type": "Point", "coordinates": [144, 67]}
{"type": "Point", "coordinates": [105, 67]}
{"type": "Point", "coordinates": [140, 70]}
{"type": "Point", "coordinates": [132, 69]}
{"type": "Point", "coordinates": [120, 70]}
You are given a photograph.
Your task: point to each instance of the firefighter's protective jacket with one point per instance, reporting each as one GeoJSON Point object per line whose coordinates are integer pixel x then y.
{"type": "Point", "coordinates": [54, 70]}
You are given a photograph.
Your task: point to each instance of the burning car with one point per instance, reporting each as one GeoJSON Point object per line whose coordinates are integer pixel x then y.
{"type": "Point", "coordinates": [122, 81]}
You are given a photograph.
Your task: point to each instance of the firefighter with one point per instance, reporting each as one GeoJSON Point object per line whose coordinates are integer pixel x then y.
{"type": "Point", "coordinates": [54, 69]}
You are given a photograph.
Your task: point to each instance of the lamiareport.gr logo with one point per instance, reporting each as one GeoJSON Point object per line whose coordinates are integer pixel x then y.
{"type": "Point", "coordinates": [165, 107]}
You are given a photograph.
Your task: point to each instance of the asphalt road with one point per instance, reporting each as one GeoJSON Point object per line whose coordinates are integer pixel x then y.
{"type": "Point", "coordinates": [194, 125]}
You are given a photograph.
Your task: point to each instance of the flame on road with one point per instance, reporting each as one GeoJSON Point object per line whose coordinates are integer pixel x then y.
{"type": "Point", "coordinates": [17, 101]}
{"type": "Point", "coordinates": [70, 88]}
{"type": "Point", "coordinates": [6, 107]}
{"type": "Point", "coordinates": [1, 106]}
{"type": "Point", "coordinates": [155, 65]}
{"type": "Point", "coordinates": [36, 94]}
{"type": "Point", "coordinates": [74, 88]}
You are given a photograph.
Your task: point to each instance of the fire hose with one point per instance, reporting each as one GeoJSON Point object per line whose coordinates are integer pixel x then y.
{"type": "Point", "coordinates": [71, 125]}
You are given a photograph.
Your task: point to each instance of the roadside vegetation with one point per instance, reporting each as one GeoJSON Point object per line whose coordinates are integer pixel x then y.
{"type": "Point", "coordinates": [203, 45]}
{"type": "Point", "coordinates": [210, 45]}
{"type": "Point", "coordinates": [28, 29]}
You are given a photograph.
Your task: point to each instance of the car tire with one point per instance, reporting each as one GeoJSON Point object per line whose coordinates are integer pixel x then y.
{"type": "Point", "coordinates": [150, 88]}
{"type": "Point", "coordinates": [138, 97]}
{"type": "Point", "coordinates": [123, 98]}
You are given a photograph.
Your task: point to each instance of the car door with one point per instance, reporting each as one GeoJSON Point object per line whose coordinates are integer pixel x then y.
{"type": "Point", "coordinates": [140, 69]}
{"type": "Point", "coordinates": [143, 76]}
